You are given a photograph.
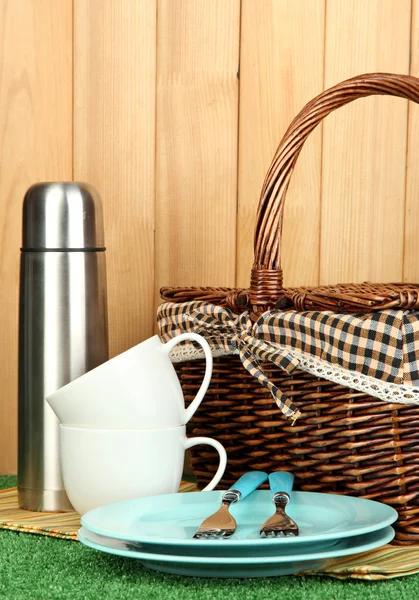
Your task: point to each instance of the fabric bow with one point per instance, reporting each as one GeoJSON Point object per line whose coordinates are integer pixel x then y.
{"type": "Point", "coordinates": [222, 331]}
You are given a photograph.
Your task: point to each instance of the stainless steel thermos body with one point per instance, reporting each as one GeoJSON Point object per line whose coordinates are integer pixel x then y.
{"type": "Point", "coordinates": [62, 324]}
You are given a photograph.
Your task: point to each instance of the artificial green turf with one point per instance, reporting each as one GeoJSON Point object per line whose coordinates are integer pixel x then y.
{"type": "Point", "coordinates": [34, 567]}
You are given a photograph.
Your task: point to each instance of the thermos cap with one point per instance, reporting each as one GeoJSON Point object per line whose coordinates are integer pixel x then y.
{"type": "Point", "coordinates": [62, 216]}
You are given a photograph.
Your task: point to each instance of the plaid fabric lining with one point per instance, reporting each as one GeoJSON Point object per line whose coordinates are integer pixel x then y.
{"type": "Point", "coordinates": [411, 346]}
{"type": "Point", "coordinates": [224, 329]}
{"type": "Point", "coordinates": [380, 345]}
{"type": "Point", "coordinates": [383, 345]}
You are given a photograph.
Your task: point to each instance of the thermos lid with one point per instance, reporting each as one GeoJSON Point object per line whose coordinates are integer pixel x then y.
{"type": "Point", "coordinates": [62, 216]}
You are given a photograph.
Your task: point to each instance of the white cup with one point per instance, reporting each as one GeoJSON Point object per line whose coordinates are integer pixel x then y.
{"type": "Point", "coordinates": [138, 389]}
{"type": "Point", "coordinates": [102, 466]}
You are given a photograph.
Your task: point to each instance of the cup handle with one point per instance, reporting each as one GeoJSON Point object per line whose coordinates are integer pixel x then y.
{"type": "Point", "coordinates": [189, 412]}
{"type": "Point", "coordinates": [223, 458]}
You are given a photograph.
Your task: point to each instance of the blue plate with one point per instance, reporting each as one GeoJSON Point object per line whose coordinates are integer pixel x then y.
{"type": "Point", "coordinates": [172, 519]}
{"type": "Point", "coordinates": [208, 549]}
{"type": "Point", "coordinates": [249, 566]}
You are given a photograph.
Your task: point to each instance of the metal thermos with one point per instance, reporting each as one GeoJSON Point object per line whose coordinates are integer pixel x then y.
{"type": "Point", "coordinates": [62, 324]}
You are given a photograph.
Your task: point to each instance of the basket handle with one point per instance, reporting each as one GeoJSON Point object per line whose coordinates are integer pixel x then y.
{"type": "Point", "coordinates": [266, 277]}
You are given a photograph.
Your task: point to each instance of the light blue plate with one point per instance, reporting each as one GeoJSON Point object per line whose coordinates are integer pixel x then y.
{"type": "Point", "coordinates": [173, 519]}
{"type": "Point", "coordinates": [224, 550]}
{"type": "Point", "coordinates": [216, 566]}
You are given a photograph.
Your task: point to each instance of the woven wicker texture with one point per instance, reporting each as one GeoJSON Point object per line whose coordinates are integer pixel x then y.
{"type": "Point", "coordinates": [344, 441]}
{"type": "Point", "coordinates": [344, 297]}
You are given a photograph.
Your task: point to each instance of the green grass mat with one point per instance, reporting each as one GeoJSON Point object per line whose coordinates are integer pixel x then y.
{"type": "Point", "coordinates": [34, 567]}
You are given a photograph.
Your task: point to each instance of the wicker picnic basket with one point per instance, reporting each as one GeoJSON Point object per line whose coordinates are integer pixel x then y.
{"type": "Point", "coordinates": [345, 441]}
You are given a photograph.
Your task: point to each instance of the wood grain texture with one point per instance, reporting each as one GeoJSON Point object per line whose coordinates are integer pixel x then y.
{"type": "Point", "coordinates": [364, 145]}
{"type": "Point", "coordinates": [411, 238]}
{"type": "Point", "coordinates": [35, 139]}
{"type": "Point", "coordinates": [281, 68]}
{"type": "Point", "coordinates": [114, 149]}
{"type": "Point", "coordinates": [197, 123]}
{"type": "Point", "coordinates": [178, 145]}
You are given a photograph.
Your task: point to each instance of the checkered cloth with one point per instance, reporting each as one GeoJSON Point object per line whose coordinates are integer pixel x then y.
{"type": "Point", "coordinates": [223, 329]}
{"type": "Point", "coordinates": [382, 345]}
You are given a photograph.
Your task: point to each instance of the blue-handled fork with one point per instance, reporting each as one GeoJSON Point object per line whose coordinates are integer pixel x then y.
{"type": "Point", "coordinates": [222, 523]}
{"type": "Point", "coordinates": [280, 523]}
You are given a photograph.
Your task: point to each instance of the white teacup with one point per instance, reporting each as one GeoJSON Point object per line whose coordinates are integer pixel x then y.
{"type": "Point", "coordinates": [138, 389]}
{"type": "Point", "coordinates": [102, 466]}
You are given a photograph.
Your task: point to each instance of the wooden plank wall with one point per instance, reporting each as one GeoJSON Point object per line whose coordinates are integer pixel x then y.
{"type": "Point", "coordinates": [173, 110]}
{"type": "Point", "coordinates": [114, 149]}
{"type": "Point", "coordinates": [36, 81]}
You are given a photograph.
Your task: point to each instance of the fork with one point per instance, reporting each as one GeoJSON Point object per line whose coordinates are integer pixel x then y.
{"type": "Point", "coordinates": [222, 523]}
{"type": "Point", "coordinates": [280, 523]}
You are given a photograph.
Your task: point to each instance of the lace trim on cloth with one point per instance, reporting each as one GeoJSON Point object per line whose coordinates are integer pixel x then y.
{"type": "Point", "coordinates": [388, 392]}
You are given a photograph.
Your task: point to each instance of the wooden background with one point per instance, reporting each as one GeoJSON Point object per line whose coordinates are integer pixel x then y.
{"type": "Point", "coordinates": [173, 110]}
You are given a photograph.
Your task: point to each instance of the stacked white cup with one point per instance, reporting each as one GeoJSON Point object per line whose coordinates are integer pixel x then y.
{"type": "Point", "coordinates": [123, 426]}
